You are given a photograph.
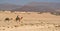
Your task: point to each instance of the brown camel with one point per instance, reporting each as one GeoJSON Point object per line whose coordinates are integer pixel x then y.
{"type": "Point", "coordinates": [18, 18]}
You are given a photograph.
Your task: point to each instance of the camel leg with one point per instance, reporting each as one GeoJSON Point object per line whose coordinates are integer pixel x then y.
{"type": "Point", "coordinates": [19, 20]}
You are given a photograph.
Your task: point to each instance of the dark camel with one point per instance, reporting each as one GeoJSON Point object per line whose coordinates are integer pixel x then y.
{"type": "Point", "coordinates": [18, 18]}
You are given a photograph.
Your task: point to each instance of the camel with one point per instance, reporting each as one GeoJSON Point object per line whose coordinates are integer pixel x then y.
{"type": "Point", "coordinates": [18, 18]}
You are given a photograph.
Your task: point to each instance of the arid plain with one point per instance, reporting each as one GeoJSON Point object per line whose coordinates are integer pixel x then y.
{"type": "Point", "coordinates": [31, 21]}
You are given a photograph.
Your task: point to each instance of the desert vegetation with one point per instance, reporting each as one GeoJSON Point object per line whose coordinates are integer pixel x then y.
{"type": "Point", "coordinates": [7, 19]}
{"type": "Point", "coordinates": [55, 13]}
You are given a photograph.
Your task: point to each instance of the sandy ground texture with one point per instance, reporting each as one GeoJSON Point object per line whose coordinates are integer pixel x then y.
{"type": "Point", "coordinates": [32, 21]}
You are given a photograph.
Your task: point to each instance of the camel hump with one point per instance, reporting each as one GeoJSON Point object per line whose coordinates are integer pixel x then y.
{"type": "Point", "coordinates": [21, 17]}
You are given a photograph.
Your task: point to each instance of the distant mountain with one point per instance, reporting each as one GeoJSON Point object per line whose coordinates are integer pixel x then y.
{"type": "Point", "coordinates": [7, 6]}
{"type": "Point", "coordinates": [33, 7]}
{"type": "Point", "coordinates": [40, 6]}
{"type": "Point", "coordinates": [48, 4]}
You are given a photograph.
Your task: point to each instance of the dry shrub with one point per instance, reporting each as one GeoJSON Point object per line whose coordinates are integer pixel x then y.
{"type": "Point", "coordinates": [39, 12]}
{"type": "Point", "coordinates": [7, 19]}
{"type": "Point", "coordinates": [3, 26]}
{"type": "Point", "coordinates": [57, 25]}
{"type": "Point", "coordinates": [55, 13]}
{"type": "Point", "coordinates": [7, 27]}
{"type": "Point", "coordinates": [16, 26]}
{"type": "Point", "coordinates": [3, 29]}
{"type": "Point", "coordinates": [32, 24]}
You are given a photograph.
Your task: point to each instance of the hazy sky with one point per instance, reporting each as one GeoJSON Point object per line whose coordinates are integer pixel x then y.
{"type": "Point", "coordinates": [22, 2]}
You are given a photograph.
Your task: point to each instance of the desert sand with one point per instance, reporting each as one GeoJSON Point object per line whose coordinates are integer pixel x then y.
{"type": "Point", "coordinates": [32, 21]}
